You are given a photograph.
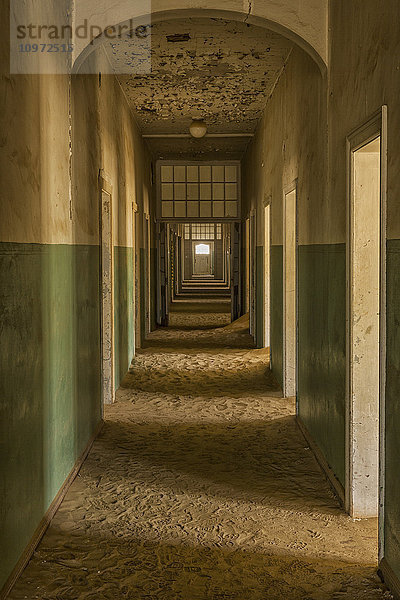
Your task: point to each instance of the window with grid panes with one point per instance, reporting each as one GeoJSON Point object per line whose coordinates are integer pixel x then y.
{"type": "Point", "coordinates": [199, 190]}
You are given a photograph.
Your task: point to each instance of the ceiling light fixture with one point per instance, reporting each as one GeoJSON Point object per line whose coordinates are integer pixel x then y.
{"type": "Point", "coordinates": [198, 128]}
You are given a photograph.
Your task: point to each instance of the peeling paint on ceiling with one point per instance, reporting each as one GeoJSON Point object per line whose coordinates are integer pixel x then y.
{"type": "Point", "coordinates": [207, 148]}
{"type": "Point", "coordinates": [223, 71]}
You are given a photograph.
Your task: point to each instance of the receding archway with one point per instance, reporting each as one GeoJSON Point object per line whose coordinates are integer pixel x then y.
{"type": "Point", "coordinates": [309, 34]}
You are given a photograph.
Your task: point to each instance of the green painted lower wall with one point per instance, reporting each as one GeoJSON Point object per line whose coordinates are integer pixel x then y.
{"type": "Point", "coordinates": [124, 314]}
{"type": "Point", "coordinates": [50, 375]}
{"type": "Point", "coordinates": [322, 348]}
{"type": "Point", "coordinates": [50, 397]}
{"type": "Point", "coordinates": [392, 436]}
{"type": "Point", "coordinates": [260, 296]}
{"type": "Point", "coordinates": [276, 311]}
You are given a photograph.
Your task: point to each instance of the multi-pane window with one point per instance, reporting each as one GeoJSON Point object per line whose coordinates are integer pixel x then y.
{"type": "Point", "coordinates": [203, 231]}
{"type": "Point", "coordinates": [199, 190]}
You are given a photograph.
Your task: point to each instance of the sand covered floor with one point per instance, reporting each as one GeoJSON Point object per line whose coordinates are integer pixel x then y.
{"type": "Point", "coordinates": [201, 486]}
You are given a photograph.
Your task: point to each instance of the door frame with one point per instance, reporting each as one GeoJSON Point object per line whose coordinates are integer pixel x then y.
{"type": "Point", "coordinates": [147, 270]}
{"type": "Point", "coordinates": [138, 309]}
{"type": "Point", "coordinates": [252, 271]}
{"type": "Point", "coordinates": [134, 267]}
{"type": "Point", "coordinates": [267, 273]}
{"type": "Point", "coordinates": [209, 243]}
{"type": "Point", "coordinates": [290, 391]}
{"type": "Point", "coordinates": [247, 265]}
{"type": "Point", "coordinates": [234, 268]}
{"type": "Point", "coordinates": [374, 127]}
{"type": "Point", "coordinates": [162, 273]}
{"type": "Point", "coordinates": [106, 304]}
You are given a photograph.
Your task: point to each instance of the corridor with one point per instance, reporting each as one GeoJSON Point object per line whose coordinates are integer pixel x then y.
{"type": "Point", "coordinates": [200, 300]}
{"type": "Point", "coordinates": [201, 486]}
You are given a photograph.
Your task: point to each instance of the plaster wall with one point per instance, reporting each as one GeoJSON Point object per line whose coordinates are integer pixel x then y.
{"type": "Point", "coordinates": [106, 137]}
{"type": "Point", "coordinates": [50, 396]}
{"type": "Point", "coordinates": [33, 168]}
{"type": "Point", "coordinates": [364, 75]}
{"type": "Point", "coordinates": [291, 144]}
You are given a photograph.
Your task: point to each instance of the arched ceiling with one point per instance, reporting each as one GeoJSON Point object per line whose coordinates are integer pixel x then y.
{"type": "Point", "coordinates": [222, 71]}
{"type": "Point", "coordinates": [220, 64]}
{"type": "Point", "coordinates": [303, 21]}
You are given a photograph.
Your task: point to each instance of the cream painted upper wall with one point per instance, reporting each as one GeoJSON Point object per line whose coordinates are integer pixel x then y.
{"type": "Point", "coordinates": [304, 21]}
{"type": "Point", "coordinates": [364, 76]}
{"type": "Point", "coordinates": [107, 138]}
{"type": "Point", "coordinates": [290, 144]}
{"type": "Point", "coordinates": [34, 149]}
{"type": "Point", "coordinates": [35, 199]}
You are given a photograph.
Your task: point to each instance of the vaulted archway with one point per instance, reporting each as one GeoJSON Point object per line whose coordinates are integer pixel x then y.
{"type": "Point", "coordinates": [305, 24]}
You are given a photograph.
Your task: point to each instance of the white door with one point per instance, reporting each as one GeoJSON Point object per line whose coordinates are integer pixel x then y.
{"type": "Point", "coordinates": [267, 243]}
{"type": "Point", "coordinates": [247, 267]}
{"type": "Point", "coordinates": [252, 273]}
{"type": "Point", "coordinates": [202, 259]}
{"type": "Point", "coordinates": [134, 307]}
{"type": "Point", "coordinates": [107, 313]}
{"type": "Point", "coordinates": [138, 233]}
{"type": "Point", "coordinates": [149, 265]}
{"type": "Point", "coordinates": [364, 329]}
{"type": "Point", "coordinates": [290, 293]}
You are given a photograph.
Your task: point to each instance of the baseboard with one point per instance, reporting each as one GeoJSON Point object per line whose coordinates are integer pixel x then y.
{"type": "Point", "coordinates": [334, 482]}
{"type": "Point", "coordinates": [390, 578]}
{"type": "Point", "coordinates": [46, 520]}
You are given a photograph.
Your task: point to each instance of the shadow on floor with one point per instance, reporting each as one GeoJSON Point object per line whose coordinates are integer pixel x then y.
{"type": "Point", "coordinates": [207, 341]}
{"type": "Point", "coordinates": [193, 326]}
{"type": "Point", "coordinates": [211, 306]}
{"type": "Point", "coordinates": [205, 381]}
{"type": "Point", "coordinates": [266, 462]}
{"type": "Point", "coordinates": [71, 565]}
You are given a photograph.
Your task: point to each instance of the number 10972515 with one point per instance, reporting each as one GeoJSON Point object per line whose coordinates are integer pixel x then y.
{"type": "Point", "coordinates": [46, 48]}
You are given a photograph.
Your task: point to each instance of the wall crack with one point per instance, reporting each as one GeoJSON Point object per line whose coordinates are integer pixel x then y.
{"type": "Point", "coordinates": [250, 8]}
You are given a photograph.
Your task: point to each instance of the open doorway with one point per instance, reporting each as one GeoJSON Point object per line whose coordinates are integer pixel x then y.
{"type": "Point", "coordinates": [247, 265]}
{"type": "Point", "coordinates": [203, 259]}
{"type": "Point", "coordinates": [290, 291]}
{"type": "Point", "coordinates": [252, 273]}
{"type": "Point", "coordinates": [365, 319]}
{"type": "Point", "coordinates": [134, 267]}
{"type": "Point", "coordinates": [107, 291]}
{"type": "Point", "coordinates": [138, 233]}
{"type": "Point", "coordinates": [267, 243]}
{"type": "Point", "coordinates": [147, 274]}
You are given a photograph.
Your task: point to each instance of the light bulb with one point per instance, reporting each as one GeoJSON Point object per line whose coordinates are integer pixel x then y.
{"type": "Point", "coordinates": [198, 128]}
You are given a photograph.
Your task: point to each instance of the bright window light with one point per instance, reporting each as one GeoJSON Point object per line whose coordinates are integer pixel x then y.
{"type": "Point", "coordinates": [202, 249]}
